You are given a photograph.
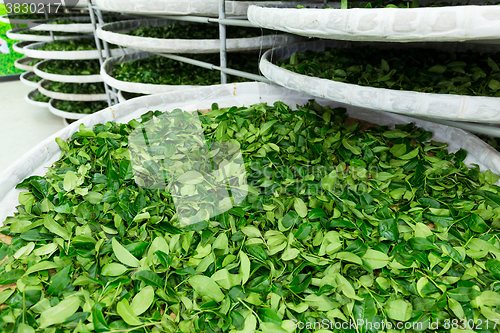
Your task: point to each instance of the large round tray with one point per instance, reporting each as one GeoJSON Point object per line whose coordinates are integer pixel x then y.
{"type": "Point", "coordinates": [440, 24]}
{"type": "Point", "coordinates": [111, 33]}
{"type": "Point", "coordinates": [29, 99]}
{"type": "Point", "coordinates": [21, 63]}
{"type": "Point", "coordinates": [191, 7]}
{"type": "Point", "coordinates": [38, 69]}
{"type": "Point", "coordinates": [24, 79]}
{"type": "Point", "coordinates": [70, 97]}
{"type": "Point", "coordinates": [63, 114]}
{"type": "Point", "coordinates": [47, 152]}
{"type": "Point", "coordinates": [140, 88]}
{"type": "Point", "coordinates": [442, 106]}
{"type": "Point", "coordinates": [16, 35]}
{"type": "Point", "coordinates": [32, 51]}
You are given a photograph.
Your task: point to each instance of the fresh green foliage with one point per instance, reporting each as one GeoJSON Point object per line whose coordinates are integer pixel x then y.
{"type": "Point", "coordinates": [195, 31]}
{"type": "Point", "coordinates": [160, 70]}
{"type": "Point", "coordinates": [34, 62]}
{"type": "Point", "coordinates": [39, 97]}
{"type": "Point", "coordinates": [416, 69]}
{"type": "Point", "coordinates": [7, 60]}
{"type": "Point", "coordinates": [34, 78]}
{"type": "Point", "coordinates": [81, 107]}
{"type": "Point", "coordinates": [72, 67]}
{"type": "Point", "coordinates": [75, 88]}
{"type": "Point", "coordinates": [340, 224]}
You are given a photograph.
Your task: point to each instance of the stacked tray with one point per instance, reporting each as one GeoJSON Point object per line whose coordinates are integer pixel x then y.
{"type": "Point", "coordinates": [33, 50]}
{"type": "Point", "coordinates": [432, 105]}
{"type": "Point", "coordinates": [40, 70]}
{"type": "Point", "coordinates": [440, 24]}
{"type": "Point", "coordinates": [25, 64]}
{"type": "Point", "coordinates": [16, 34]}
{"type": "Point", "coordinates": [113, 33]}
{"type": "Point", "coordinates": [27, 77]}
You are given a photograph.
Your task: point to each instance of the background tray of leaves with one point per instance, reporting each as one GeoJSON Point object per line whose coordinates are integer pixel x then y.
{"type": "Point", "coordinates": [36, 98]}
{"type": "Point", "coordinates": [78, 24]}
{"type": "Point", "coordinates": [74, 49]}
{"type": "Point", "coordinates": [152, 35]}
{"type": "Point", "coordinates": [443, 106]}
{"type": "Point", "coordinates": [351, 266]}
{"type": "Point", "coordinates": [84, 92]}
{"type": "Point", "coordinates": [26, 63]}
{"type": "Point", "coordinates": [75, 110]}
{"type": "Point", "coordinates": [20, 47]}
{"type": "Point", "coordinates": [145, 73]}
{"type": "Point", "coordinates": [23, 18]}
{"type": "Point", "coordinates": [454, 24]}
{"type": "Point", "coordinates": [25, 34]}
{"type": "Point", "coordinates": [192, 7]}
{"type": "Point", "coordinates": [76, 71]}
{"type": "Point", "coordinates": [30, 79]}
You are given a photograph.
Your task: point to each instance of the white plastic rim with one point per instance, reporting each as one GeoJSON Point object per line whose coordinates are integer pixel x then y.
{"type": "Point", "coordinates": [134, 87]}
{"type": "Point", "coordinates": [29, 99]}
{"type": "Point", "coordinates": [34, 52]}
{"type": "Point", "coordinates": [70, 97]}
{"type": "Point", "coordinates": [192, 7]}
{"type": "Point", "coordinates": [24, 79]}
{"type": "Point", "coordinates": [441, 106]}
{"type": "Point", "coordinates": [21, 63]}
{"type": "Point", "coordinates": [439, 24]}
{"type": "Point", "coordinates": [47, 152]}
{"type": "Point", "coordinates": [16, 35]}
{"type": "Point", "coordinates": [83, 25]}
{"type": "Point", "coordinates": [13, 20]}
{"type": "Point", "coordinates": [20, 47]}
{"type": "Point", "coordinates": [38, 69]}
{"type": "Point", "coordinates": [63, 114]}
{"type": "Point", "coordinates": [111, 33]}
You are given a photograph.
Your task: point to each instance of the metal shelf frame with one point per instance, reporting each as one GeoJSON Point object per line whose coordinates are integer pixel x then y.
{"type": "Point", "coordinates": [222, 21]}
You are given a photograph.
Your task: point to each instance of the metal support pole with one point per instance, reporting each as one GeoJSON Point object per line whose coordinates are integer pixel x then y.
{"type": "Point", "coordinates": [107, 53]}
{"type": "Point", "coordinates": [99, 49]}
{"type": "Point", "coordinates": [47, 17]}
{"type": "Point", "coordinates": [224, 70]}
{"type": "Point", "coordinates": [222, 36]}
{"type": "Point", "coordinates": [471, 127]}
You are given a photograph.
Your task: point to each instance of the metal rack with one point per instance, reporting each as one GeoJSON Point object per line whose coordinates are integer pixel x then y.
{"type": "Point", "coordinates": [96, 15]}
{"type": "Point", "coordinates": [221, 20]}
